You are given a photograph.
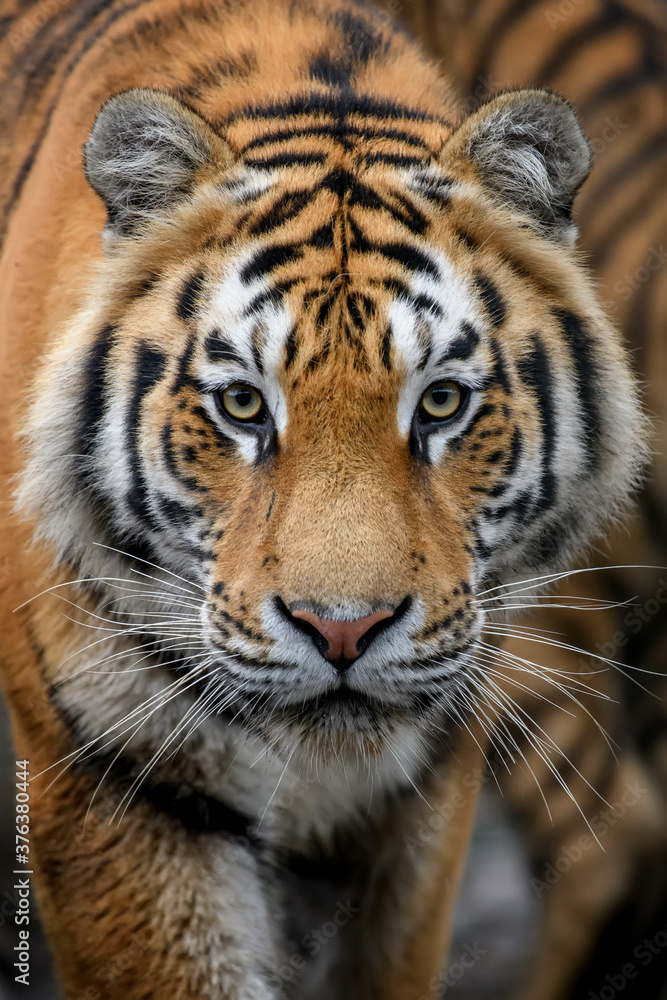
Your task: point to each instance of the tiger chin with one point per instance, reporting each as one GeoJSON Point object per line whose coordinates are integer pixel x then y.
{"type": "Point", "coordinates": [312, 368]}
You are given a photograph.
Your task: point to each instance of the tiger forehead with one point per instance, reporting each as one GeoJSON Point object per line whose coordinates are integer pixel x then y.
{"type": "Point", "coordinates": [319, 261]}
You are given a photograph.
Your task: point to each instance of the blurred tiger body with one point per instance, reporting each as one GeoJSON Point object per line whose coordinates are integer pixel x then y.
{"type": "Point", "coordinates": [289, 205]}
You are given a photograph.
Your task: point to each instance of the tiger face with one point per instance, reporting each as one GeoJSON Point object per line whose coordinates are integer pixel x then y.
{"type": "Point", "coordinates": [323, 407]}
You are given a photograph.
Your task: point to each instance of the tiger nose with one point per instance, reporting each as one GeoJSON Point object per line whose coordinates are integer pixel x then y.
{"type": "Point", "coordinates": [343, 637]}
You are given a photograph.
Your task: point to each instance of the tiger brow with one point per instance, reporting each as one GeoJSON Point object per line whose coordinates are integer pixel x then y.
{"type": "Point", "coordinates": [218, 349]}
{"type": "Point", "coordinates": [463, 347]}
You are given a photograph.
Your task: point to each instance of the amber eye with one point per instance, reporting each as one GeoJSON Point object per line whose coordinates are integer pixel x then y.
{"type": "Point", "coordinates": [242, 402]}
{"type": "Point", "coordinates": [441, 401]}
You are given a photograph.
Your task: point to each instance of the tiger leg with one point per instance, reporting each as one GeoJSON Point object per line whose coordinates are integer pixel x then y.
{"type": "Point", "coordinates": [134, 905]}
{"type": "Point", "coordinates": [401, 942]}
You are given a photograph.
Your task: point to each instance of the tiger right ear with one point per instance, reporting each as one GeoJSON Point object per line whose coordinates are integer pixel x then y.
{"type": "Point", "coordinates": [528, 149]}
{"type": "Point", "coordinates": [145, 152]}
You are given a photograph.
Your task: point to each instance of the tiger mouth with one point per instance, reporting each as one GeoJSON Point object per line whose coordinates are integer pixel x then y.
{"type": "Point", "coordinates": [341, 707]}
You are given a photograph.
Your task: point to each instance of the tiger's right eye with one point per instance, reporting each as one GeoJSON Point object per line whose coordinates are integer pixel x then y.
{"type": "Point", "coordinates": [243, 403]}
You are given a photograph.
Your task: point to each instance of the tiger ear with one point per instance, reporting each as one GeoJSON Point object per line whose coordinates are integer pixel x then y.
{"type": "Point", "coordinates": [527, 146]}
{"type": "Point", "coordinates": [145, 152]}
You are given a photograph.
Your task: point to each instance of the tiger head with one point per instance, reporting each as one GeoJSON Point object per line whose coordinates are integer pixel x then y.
{"type": "Point", "coordinates": [320, 401]}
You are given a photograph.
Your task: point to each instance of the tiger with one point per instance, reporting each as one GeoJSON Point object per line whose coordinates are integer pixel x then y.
{"type": "Point", "coordinates": [301, 374]}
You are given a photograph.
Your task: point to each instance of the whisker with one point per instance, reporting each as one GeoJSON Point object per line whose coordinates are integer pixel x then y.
{"type": "Point", "coordinates": [162, 569]}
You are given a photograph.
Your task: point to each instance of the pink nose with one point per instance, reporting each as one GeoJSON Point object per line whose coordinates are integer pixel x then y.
{"type": "Point", "coordinates": [342, 636]}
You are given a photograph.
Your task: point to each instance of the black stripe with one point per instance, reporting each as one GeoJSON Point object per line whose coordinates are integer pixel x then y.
{"type": "Point", "coordinates": [283, 210]}
{"type": "Point", "coordinates": [385, 349]}
{"type": "Point", "coordinates": [392, 159]}
{"type": "Point", "coordinates": [425, 302]}
{"type": "Point", "coordinates": [269, 259]}
{"type": "Point", "coordinates": [213, 74]}
{"type": "Point", "coordinates": [287, 160]}
{"type": "Point", "coordinates": [188, 300]}
{"type": "Point", "coordinates": [407, 214]}
{"type": "Point", "coordinates": [486, 410]}
{"type": "Point", "coordinates": [150, 364]}
{"type": "Point", "coordinates": [324, 309]}
{"type": "Point", "coordinates": [336, 105]}
{"type": "Point", "coordinates": [463, 347]}
{"type": "Point", "coordinates": [92, 406]}
{"type": "Point", "coordinates": [360, 37]}
{"type": "Point", "coordinates": [333, 130]}
{"type": "Point", "coordinates": [354, 311]}
{"type": "Point", "coordinates": [175, 512]}
{"type": "Point", "coordinates": [500, 374]}
{"type": "Point", "coordinates": [408, 256]}
{"type": "Point", "coordinates": [218, 349]}
{"type": "Point", "coordinates": [272, 296]}
{"type": "Point", "coordinates": [582, 354]}
{"type": "Point", "coordinates": [411, 217]}
{"type": "Point", "coordinates": [197, 812]}
{"type": "Point", "coordinates": [256, 346]}
{"type": "Point", "coordinates": [469, 241]}
{"type": "Point", "coordinates": [329, 70]}
{"type": "Point", "coordinates": [340, 182]}
{"type": "Point", "coordinates": [324, 237]}
{"type": "Point", "coordinates": [290, 348]}
{"type": "Point", "coordinates": [535, 372]}
{"type": "Point", "coordinates": [435, 190]}
{"type": "Point", "coordinates": [520, 508]}
{"type": "Point", "coordinates": [493, 300]}
{"type": "Point", "coordinates": [516, 451]}
{"type": "Point", "coordinates": [183, 377]}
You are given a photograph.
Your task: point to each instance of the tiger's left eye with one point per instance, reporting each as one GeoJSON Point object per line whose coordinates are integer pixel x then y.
{"type": "Point", "coordinates": [441, 401]}
{"type": "Point", "coordinates": [242, 402]}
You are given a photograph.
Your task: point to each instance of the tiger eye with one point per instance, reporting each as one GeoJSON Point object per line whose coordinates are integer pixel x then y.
{"type": "Point", "coordinates": [242, 402]}
{"type": "Point", "coordinates": [441, 401]}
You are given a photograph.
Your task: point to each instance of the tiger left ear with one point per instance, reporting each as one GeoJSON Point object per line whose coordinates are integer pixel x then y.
{"type": "Point", "coordinates": [528, 148]}
{"type": "Point", "coordinates": [145, 153]}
